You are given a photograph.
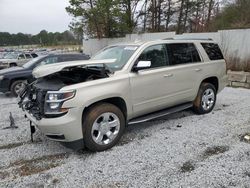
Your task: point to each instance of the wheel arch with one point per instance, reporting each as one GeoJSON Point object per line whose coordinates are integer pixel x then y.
{"type": "Point", "coordinates": [12, 63]}
{"type": "Point", "coordinates": [117, 101]}
{"type": "Point", "coordinates": [212, 80]}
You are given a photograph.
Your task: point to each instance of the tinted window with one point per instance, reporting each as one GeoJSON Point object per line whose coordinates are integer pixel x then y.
{"type": "Point", "coordinates": [49, 60]}
{"type": "Point", "coordinates": [156, 54]}
{"type": "Point", "coordinates": [28, 56]}
{"type": "Point", "coordinates": [182, 53]}
{"type": "Point", "coordinates": [74, 57]}
{"type": "Point", "coordinates": [34, 55]}
{"type": "Point", "coordinates": [21, 56]}
{"type": "Point", "coordinates": [213, 51]}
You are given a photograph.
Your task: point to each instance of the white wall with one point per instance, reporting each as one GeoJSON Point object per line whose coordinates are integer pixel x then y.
{"type": "Point", "coordinates": [234, 43]}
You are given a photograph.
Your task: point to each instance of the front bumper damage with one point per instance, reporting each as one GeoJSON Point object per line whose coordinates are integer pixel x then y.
{"type": "Point", "coordinates": [66, 129]}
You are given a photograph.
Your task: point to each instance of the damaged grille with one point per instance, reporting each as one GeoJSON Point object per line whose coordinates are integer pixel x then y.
{"type": "Point", "coordinates": [32, 99]}
{"type": "Point", "coordinates": [40, 100]}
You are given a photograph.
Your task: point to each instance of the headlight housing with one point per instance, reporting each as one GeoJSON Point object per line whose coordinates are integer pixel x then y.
{"type": "Point", "coordinates": [54, 101]}
{"type": "Point", "coordinates": [1, 78]}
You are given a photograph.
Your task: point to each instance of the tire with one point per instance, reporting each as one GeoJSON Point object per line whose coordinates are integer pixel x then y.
{"type": "Point", "coordinates": [96, 136]}
{"type": "Point", "coordinates": [13, 64]}
{"type": "Point", "coordinates": [206, 99]}
{"type": "Point", "coordinates": [16, 86]}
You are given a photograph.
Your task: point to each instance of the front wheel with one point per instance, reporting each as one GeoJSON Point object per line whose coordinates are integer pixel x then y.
{"type": "Point", "coordinates": [205, 100]}
{"type": "Point", "coordinates": [103, 126]}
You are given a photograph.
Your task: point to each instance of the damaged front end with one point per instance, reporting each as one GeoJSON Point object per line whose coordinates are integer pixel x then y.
{"type": "Point", "coordinates": [43, 98]}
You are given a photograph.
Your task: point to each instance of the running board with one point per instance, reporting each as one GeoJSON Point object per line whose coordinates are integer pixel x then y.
{"type": "Point", "coordinates": [160, 113]}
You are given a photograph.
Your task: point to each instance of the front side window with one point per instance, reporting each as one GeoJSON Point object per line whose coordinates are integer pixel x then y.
{"type": "Point", "coordinates": [182, 53]}
{"type": "Point", "coordinates": [156, 54]}
{"type": "Point", "coordinates": [21, 56]}
{"type": "Point", "coordinates": [213, 51]}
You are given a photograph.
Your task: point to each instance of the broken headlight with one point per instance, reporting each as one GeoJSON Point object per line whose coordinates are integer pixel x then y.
{"type": "Point", "coordinates": [55, 99]}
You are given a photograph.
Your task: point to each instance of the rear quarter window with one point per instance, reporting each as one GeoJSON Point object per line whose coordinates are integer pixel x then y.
{"type": "Point", "coordinates": [213, 51]}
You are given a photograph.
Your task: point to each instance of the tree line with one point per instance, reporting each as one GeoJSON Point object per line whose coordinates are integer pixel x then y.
{"type": "Point", "coordinates": [43, 38]}
{"type": "Point", "coordinates": [115, 18]}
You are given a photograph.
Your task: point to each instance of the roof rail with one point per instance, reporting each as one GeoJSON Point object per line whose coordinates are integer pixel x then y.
{"type": "Point", "coordinates": [210, 39]}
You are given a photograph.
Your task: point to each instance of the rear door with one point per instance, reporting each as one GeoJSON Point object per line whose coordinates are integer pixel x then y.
{"type": "Point", "coordinates": [186, 66]}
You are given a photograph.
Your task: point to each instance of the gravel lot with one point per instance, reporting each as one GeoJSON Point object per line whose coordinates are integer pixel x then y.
{"type": "Point", "coordinates": [180, 150]}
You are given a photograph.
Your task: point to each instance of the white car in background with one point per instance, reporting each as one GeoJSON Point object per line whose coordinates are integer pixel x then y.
{"type": "Point", "coordinates": [16, 59]}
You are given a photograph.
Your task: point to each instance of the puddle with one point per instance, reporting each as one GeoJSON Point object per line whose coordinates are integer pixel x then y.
{"type": "Point", "coordinates": [215, 150]}
{"type": "Point", "coordinates": [187, 167]}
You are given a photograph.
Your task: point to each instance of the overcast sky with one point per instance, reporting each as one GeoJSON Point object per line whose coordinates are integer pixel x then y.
{"type": "Point", "coordinates": [31, 16]}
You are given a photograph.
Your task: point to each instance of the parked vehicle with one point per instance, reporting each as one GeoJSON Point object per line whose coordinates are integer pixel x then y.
{"type": "Point", "coordinates": [13, 79]}
{"type": "Point", "coordinates": [14, 59]}
{"type": "Point", "coordinates": [90, 102]}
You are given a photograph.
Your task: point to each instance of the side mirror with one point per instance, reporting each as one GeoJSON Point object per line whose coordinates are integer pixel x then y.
{"type": "Point", "coordinates": [142, 65]}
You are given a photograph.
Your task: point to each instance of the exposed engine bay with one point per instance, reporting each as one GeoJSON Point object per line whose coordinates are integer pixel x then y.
{"type": "Point", "coordinates": [33, 96]}
{"type": "Point", "coordinates": [75, 75]}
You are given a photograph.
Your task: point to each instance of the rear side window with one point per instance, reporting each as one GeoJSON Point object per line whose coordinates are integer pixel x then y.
{"type": "Point", "coordinates": [49, 60]}
{"type": "Point", "coordinates": [182, 53]}
{"type": "Point", "coordinates": [213, 51]}
{"type": "Point", "coordinates": [34, 55]}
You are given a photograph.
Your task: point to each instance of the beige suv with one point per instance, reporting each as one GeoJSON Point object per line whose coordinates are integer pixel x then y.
{"type": "Point", "coordinates": [89, 103]}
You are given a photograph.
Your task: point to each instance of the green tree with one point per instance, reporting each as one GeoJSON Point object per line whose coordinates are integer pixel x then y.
{"type": "Point", "coordinates": [234, 16]}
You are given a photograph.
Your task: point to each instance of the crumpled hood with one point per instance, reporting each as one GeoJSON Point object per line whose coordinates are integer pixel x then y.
{"type": "Point", "coordinates": [46, 70]}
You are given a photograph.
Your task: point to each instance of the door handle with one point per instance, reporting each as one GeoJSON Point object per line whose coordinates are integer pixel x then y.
{"type": "Point", "coordinates": [168, 75]}
{"type": "Point", "coordinates": [198, 70]}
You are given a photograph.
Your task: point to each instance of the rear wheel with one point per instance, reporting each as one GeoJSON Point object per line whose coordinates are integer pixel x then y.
{"type": "Point", "coordinates": [205, 100]}
{"type": "Point", "coordinates": [16, 87]}
{"type": "Point", "coordinates": [103, 126]}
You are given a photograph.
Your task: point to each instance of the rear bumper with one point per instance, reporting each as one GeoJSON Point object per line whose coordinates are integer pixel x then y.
{"type": "Point", "coordinates": [66, 129]}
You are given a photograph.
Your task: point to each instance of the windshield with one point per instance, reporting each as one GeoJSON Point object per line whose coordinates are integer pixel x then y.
{"type": "Point", "coordinates": [32, 62]}
{"type": "Point", "coordinates": [10, 56]}
{"type": "Point", "coordinates": [120, 53]}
